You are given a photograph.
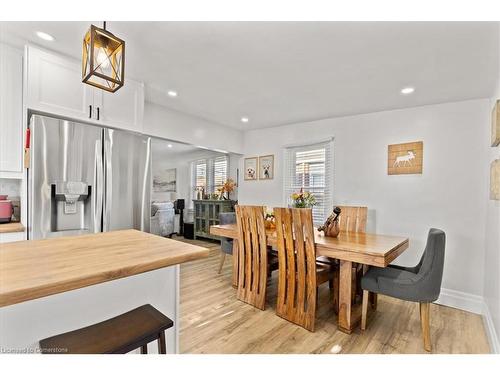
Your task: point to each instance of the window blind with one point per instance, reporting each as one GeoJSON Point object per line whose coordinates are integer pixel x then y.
{"type": "Point", "coordinates": [310, 168]}
{"type": "Point", "coordinates": [200, 174]}
{"type": "Point", "coordinates": [210, 174]}
{"type": "Point", "coordinates": [220, 171]}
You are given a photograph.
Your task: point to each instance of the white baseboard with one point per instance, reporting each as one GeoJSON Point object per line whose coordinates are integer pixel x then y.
{"type": "Point", "coordinates": [490, 330]}
{"type": "Point", "coordinates": [460, 300]}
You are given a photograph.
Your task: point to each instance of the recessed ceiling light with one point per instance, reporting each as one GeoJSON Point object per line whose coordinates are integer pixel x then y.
{"type": "Point", "coordinates": [244, 119]}
{"type": "Point", "coordinates": [169, 145]}
{"type": "Point", "coordinates": [407, 90]}
{"type": "Point", "coordinates": [171, 93]}
{"type": "Point", "coordinates": [45, 36]}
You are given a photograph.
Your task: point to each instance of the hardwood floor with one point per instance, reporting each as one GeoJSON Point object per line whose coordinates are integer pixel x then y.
{"type": "Point", "coordinates": [214, 321]}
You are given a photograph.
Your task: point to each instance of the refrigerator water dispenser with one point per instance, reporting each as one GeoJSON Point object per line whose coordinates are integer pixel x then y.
{"type": "Point", "coordinates": [70, 205]}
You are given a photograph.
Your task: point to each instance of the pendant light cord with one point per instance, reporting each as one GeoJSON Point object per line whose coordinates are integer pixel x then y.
{"type": "Point", "coordinates": [104, 26]}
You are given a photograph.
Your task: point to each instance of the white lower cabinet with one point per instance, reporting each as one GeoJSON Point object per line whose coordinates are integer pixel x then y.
{"type": "Point", "coordinates": [11, 109]}
{"type": "Point", "coordinates": [12, 237]}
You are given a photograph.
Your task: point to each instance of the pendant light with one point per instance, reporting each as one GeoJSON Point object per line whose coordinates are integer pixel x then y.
{"type": "Point", "coordinates": [103, 60]}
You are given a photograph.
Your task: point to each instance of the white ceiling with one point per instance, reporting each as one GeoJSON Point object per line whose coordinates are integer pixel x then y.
{"type": "Point", "coordinates": [276, 73]}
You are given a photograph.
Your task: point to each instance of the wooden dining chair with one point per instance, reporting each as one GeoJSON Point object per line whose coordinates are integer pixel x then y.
{"type": "Point", "coordinates": [351, 219]}
{"type": "Point", "coordinates": [299, 275]}
{"type": "Point", "coordinates": [252, 255]}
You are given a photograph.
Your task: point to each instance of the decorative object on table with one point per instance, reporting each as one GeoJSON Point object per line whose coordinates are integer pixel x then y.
{"type": "Point", "coordinates": [405, 158]}
{"type": "Point", "coordinates": [495, 124]}
{"type": "Point", "coordinates": [495, 180]}
{"type": "Point", "coordinates": [214, 196]}
{"type": "Point", "coordinates": [270, 221]}
{"type": "Point", "coordinates": [331, 227]}
{"type": "Point", "coordinates": [103, 64]}
{"type": "Point", "coordinates": [200, 192]}
{"type": "Point", "coordinates": [165, 181]}
{"type": "Point", "coordinates": [266, 167]}
{"type": "Point", "coordinates": [250, 168]}
{"type": "Point", "coordinates": [226, 189]}
{"type": "Point", "coordinates": [303, 199]}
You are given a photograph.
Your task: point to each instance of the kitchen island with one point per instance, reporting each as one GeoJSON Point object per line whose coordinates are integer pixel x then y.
{"type": "Point", "coordinates": [56, 285]}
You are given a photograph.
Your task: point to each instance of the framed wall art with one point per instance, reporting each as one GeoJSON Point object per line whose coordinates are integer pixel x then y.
{"type": "Point", "coordinates": [251, 166]}
{"type": "Point", "coordinates": [266, 167]}
{"type": "Point", "coordinates": [405, 158]}
{"type": "Point", "coordinates": [165, 181]}
{"type": "Point", "coordinates": [495, 125]}
{"type": "Point", "coordinates": [495, 180]}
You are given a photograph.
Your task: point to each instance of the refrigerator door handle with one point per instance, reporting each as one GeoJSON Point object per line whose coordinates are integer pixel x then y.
{"type": "Point", "coordinates": [108, 181]}
{"type": "Point", "coordinates": [99, 187]}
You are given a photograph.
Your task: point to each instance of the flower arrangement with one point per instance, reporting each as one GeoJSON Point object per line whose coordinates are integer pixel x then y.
{"type": "Point", "coordinates": [269, 222]}
{"type": "Point", "coordinates": [303, 199]}
{"type": "Point", "coordinates": [227, 187]}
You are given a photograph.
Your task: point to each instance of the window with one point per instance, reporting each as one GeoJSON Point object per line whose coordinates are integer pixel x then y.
{"type": "Point", "coordinates": [310, 168]}
{"type": "Point", "coordinates": [209, 174]}
{"type": "Point", "coordinates": [220, 171]}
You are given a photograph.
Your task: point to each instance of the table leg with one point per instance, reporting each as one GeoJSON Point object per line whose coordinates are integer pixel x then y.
{"type": "Point", "coordinates": [235, 263]}
{"type": "Point", "coordinates": [348, 316]}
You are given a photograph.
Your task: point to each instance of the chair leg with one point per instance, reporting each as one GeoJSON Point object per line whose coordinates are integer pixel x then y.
{"type": "Point", "coordinates": [162, 346]}
{"type": "Point", "coordinates": [425, 322]}
{"type": "Point", "coordinates": [222, 259]}
{"type": "Point", "coordinates": [373, 300]}
{"type": "Point", "coordinates": [364, 309]}
{"type": "Point", "coordinates": [144, 349]}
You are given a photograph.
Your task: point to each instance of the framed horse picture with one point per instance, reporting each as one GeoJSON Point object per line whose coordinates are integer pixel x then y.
{"type": "Point", "coordinates": [405, 158]}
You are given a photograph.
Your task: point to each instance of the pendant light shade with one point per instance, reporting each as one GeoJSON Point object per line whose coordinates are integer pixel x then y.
{"type": "Point", "coordinates": [103, 60]}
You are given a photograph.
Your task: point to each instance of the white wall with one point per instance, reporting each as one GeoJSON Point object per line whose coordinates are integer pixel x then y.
{"type": "Point", "coordinates": [448, 195]}
{"type": "Point", "coordinates": [492, 254]}
{"type": "Point", "coordinates": [165, 123]}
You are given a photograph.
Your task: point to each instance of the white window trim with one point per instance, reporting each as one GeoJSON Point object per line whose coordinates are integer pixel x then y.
{"type": "Point", "coordinates": [210, 183]}
{"type": "Point", "coordinates": [329, 171]}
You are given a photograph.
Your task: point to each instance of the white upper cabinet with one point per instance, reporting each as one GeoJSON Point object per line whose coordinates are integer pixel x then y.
{"type": "Point", "coordinates": [122, 109]}
{"type": "Point", "coordinates": [55, 87]}
{"type": "Point", "coordinates": [11, 109]}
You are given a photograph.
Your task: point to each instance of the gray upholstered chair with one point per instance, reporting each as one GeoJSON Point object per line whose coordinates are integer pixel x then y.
{"type": "Point", "coordinates": [421, 283]}
{"type": "Point", "coordinates": [226, 244]}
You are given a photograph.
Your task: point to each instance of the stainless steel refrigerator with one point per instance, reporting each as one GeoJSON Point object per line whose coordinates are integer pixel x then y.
{"type": "Point", "coordinates": [86, 179]}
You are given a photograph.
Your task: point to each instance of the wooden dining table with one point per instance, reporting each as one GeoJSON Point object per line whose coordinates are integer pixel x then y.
{"type": "Point", "coordinates": [349, 247]}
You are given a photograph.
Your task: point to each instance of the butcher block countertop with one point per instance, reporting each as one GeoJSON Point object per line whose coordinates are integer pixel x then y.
{"type": "Point", "coordinates": [11, 227]}
{"type": "Point", "coordinates": [39, 268]}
